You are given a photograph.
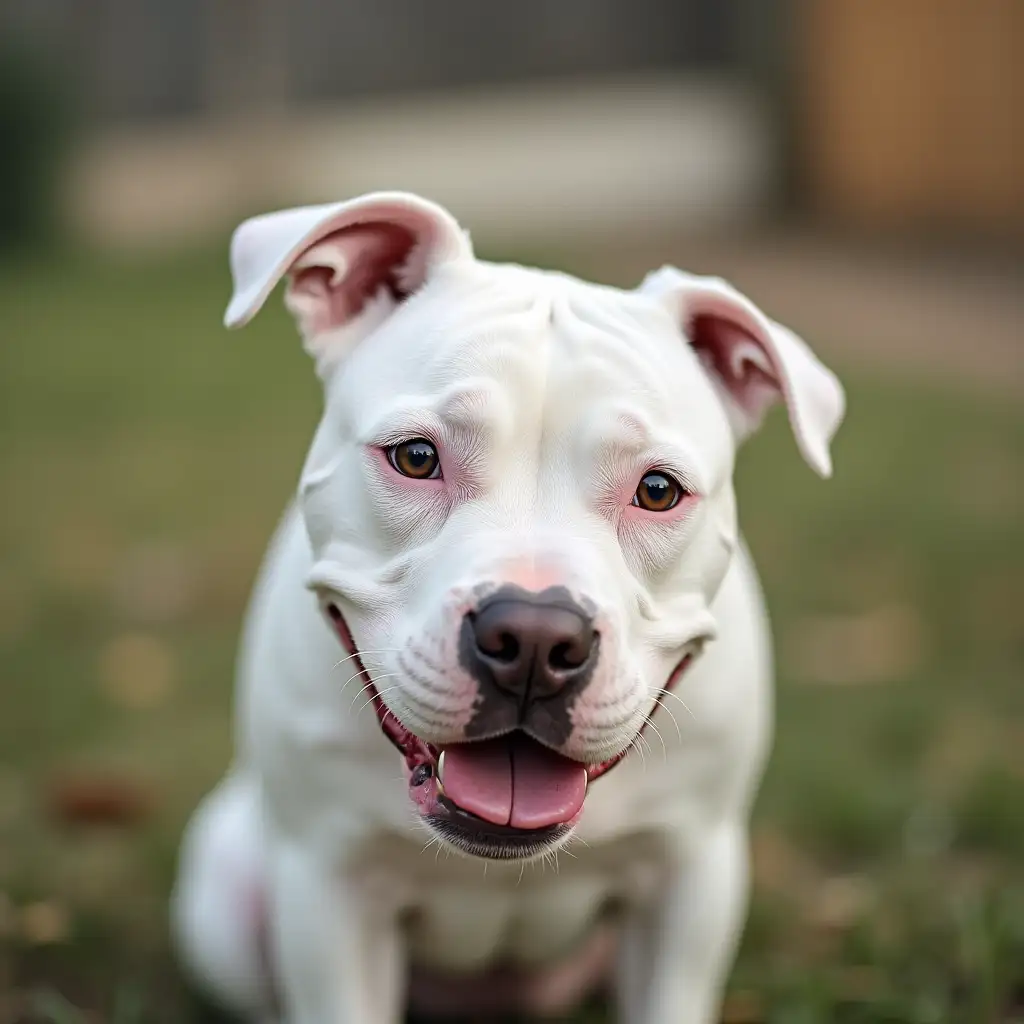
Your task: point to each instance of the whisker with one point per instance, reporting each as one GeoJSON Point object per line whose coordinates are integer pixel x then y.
{"type": "Point", "coordinates": [664, 749]}
{"type": "Point", "coordinates": [635, 745]}
{"type": "Point", "coordinates": [370, 681]}
{"type": "Point", "coordinates": [355, 675]}
{"type": "Point", "coordinates": [349, 657]}
{"type": "Point", "coordinates": [668, 711]}
{"type": "Point", "coordinates": [373, 682]}
{"type": "Point", "coordinates": [672, 693]}
{"type": "Point", "coordinates": [646, 742]}
{"type": "Point", "coordinates": [363, 654]}
{"type": "Point", "coordinates": [379, 693]}
{"type": "Point", "coordinates": [362, 689]}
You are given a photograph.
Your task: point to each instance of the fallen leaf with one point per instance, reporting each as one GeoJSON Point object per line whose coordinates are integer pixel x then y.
{"type": "Point", "coordinates": [840, 902]}
{"type": "Point", "coordinates": [777, 863]}
{"type": "Point", "coordinates": [85, 800]}
{"type": "Point", "coordinates": [743, 1008]}
{"type": "Point", "coordinates": [44, 923]}
{"type": "Point", "coordinates": [136, 670]}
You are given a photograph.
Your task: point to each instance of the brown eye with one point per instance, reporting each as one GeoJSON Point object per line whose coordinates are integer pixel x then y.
{"type": "Point", "coordinates": [657, 492]}
{"type": "Point", "coordinates": [417, 459]}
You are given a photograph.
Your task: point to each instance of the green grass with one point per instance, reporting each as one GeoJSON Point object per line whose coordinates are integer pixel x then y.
{"type": "Point", "coordinates": [144, 457]}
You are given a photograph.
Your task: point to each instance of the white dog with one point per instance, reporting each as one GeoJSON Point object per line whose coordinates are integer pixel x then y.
{"type": "Point", "coordinates": [509, 617]}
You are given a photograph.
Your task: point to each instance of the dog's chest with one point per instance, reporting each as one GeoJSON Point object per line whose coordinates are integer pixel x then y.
{"type": "Point", "coordinates": [467, 927]}
{"type": "Point", "coordinates": [463, 918]}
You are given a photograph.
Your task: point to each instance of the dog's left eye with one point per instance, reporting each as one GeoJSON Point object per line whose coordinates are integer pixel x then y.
{"type": "Point", "coordinates": [417, 459]}
{"type": "Point", "coordinates": [658, 492]}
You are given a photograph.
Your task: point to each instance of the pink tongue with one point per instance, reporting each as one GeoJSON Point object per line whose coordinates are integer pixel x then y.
{"type": "Point", "coordinates": [514, 781]}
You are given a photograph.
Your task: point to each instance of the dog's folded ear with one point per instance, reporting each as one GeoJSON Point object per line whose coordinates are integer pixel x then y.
{"type": "Point", "coordinates": [754, 361]}
{"type": "Point", "coordinates": [349, 264]}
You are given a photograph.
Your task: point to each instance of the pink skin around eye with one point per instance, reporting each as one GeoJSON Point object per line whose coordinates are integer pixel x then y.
{"type": "Point", "coordinates": [460, 479]}
{"type": "Point", "coordinates": [634, 513]}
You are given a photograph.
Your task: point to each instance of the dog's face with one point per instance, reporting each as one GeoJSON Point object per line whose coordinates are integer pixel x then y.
{"type": "Point", "coordinates": [519, 497]}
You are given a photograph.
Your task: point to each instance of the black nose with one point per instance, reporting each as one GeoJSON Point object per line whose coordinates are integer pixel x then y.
{"type": "Point", "coordinates": [531, 646]}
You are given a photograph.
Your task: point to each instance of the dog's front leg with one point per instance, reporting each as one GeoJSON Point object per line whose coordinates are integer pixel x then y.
{"type": "Point", "coordinates": [338, 953]}
{"type": "Point", "coordinates": [677, 951]}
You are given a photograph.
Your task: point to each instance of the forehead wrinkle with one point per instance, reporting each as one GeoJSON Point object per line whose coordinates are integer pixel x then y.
{"type": "Point", "coordinates": [645, 362]}
{"type": "Point", "coordinates": [469, 408]}
{"type": "Point", "coordinates": [621, 432]}
{"type": "Point", "coordinates": [634, 425]}
{"type": "Point", "coordinates": [628, 436]}
{"type": "Point", "coordinates": [612, 312]}
{"type": "Point", "coordinates": [462, 400]}
{"type": "Point", "coordinates": [472, 406]}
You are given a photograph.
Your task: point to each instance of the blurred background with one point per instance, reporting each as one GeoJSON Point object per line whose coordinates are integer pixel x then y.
{"type": "Point", "coordinates": [855, 166]}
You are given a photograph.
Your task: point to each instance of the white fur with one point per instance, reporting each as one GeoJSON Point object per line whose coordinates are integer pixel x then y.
{"type": "Point", "coordinates": [550, 393]}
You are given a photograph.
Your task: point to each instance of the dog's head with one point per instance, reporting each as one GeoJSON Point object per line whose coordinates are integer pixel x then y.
{"type": "Point", "coordinates": [519, 498]}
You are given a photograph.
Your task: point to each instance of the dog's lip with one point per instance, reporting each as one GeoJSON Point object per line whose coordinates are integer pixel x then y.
{"type": "Point", "coordinates": [489, 830]}
{"type": "Point", "coordinates": [496, 842]}
{"type": "Point", "coordinates": [417, 751]}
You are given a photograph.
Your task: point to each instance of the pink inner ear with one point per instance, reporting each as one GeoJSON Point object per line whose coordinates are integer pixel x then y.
{"type": "Point", "coordinates": [738, 359]}
{"type": "Point", "coordinates": [334, 279]}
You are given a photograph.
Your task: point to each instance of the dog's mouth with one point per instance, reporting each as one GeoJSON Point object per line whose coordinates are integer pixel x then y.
{"type": "Point", "coordinates": [506, 798]}
{"type": "Point", "coordinates": [503, 798]}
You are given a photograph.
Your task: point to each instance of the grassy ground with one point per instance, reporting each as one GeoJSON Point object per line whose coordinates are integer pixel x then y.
{"type": "Point", "coordinates": [144, 457]}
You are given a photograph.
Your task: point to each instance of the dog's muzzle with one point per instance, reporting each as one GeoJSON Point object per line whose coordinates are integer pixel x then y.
{"type": "Point", "coordinates": [505, 793]}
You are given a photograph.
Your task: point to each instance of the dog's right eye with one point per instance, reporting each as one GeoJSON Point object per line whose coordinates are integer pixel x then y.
{"type": "Point", "coordinates": [417, 459]}
{"type": "Point", "coordinates": [658, 492]}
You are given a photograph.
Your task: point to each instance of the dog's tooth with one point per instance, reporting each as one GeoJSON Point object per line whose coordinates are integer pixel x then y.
{"type": "Point", "coordinates": [440, 770]}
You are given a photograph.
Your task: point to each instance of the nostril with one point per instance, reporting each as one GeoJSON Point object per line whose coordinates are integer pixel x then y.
{"type": "Point", "coordinates": [504, 647]}
{"type": "Point", "coordinates": [494, 639]}
{"type": "Point", "coordinates": [565, 656]}
{"type": "Point", "coordinates": [570, 654]}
